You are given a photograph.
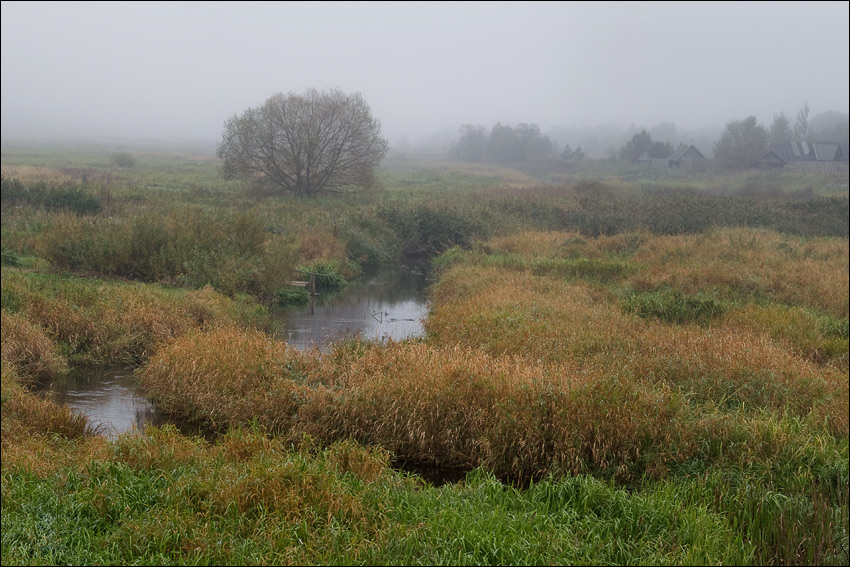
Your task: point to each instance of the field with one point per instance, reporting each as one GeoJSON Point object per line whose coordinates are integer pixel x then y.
{"type": "Point", "coordinates": [621, 366]}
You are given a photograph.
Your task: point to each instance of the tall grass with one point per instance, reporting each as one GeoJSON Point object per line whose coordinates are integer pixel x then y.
{"type": "Point", "coordinates": [228, 376]}
{"type": "Point", "coordinates": [98, 322]}
{"type": "Point", "coordinates": [28, 348]}
{"type": "Point", "coordinates": [25, 415]}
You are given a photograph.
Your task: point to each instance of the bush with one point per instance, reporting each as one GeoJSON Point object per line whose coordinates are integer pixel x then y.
{"type": "Point", "coordinates": [292, 295]}
{"type": "Point", "coordinates": [427, 231]}
{"type": "Point", "coordinates": [124, 159]}
{"type": "Point", "coordinates": [328, 276]}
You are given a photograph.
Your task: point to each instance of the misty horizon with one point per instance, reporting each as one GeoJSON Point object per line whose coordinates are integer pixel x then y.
{"type": "Point", "coordinates": [179, 70]}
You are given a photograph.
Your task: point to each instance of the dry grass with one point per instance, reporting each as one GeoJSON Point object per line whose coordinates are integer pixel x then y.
{"type": "Point", "coordinates": [99, 322]}
{"type": "Point", "coordinates": [729, 363]}
{"type": "Point", "coordinates": [523, 374]}
{"type": "Point", "coordinates": [228, 376]}
{"type": "Point", "coordinates": [26, 416]}
{"type": "Point", "coordinates": [810, 273]}
{"type": "Point", "coordinates": [26, 346]}
{"type": "Point", "coordinates": [459, 407]}
{"type": "Point", "coordinates": [35, 174]}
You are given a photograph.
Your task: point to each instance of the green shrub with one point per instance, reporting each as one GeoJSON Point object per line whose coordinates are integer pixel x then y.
{"type": "Point", "coordinates": [428, 230]}
{"type": "Point", "coordinates": [124, 159]}
{"type": "Point", "coordinates": [9, 258]}
{"type": "Point", "coordinates": [292, 295]}
{"type": "Point", "coordinates": [328, 276]}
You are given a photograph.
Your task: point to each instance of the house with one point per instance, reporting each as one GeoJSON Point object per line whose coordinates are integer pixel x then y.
{"type": "Point", "coordinates": [686, 156]}
{"type": "Point", "coordinates": [780, 154]}
{"type": "Point", "coordinates": [654, 161]}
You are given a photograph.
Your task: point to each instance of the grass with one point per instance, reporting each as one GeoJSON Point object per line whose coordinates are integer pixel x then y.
{"type": "Point", "coordinates": [626, 369]}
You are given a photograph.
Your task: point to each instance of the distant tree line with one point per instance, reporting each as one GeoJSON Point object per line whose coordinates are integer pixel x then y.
{"type": "Point", "coordinates": [502, 144]}
{"type": "Point", "coordinates": [738, 144]}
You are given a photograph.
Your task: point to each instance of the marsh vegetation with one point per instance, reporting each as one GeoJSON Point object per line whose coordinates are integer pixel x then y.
{"type": "Point", "coordinates": [623, 366]}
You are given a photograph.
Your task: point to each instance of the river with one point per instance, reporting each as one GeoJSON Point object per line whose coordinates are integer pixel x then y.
{"type": "Point", "coordinates": [389, 304]}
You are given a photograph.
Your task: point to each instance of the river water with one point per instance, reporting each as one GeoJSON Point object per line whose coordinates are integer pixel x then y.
{"type": "Point", "coordinates": [387, 305]}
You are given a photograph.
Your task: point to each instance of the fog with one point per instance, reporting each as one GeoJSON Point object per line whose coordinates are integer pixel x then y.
{"type": "Point", "coordinates": [178, 70]}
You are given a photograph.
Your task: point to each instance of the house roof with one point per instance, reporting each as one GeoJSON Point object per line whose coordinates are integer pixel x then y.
{"type": "Point", "coordinates": [808, 151]}
{"type": "Point", "coordinates": [791, 151]}
{"type": "Point", "coordinates": [826, 151]}
{"type": "Point", "coordinates": [685, 151]}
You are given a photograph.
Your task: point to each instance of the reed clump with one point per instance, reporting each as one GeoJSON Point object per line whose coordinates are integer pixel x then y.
{"type": "Point", "coordinates": [100, 322]}
{"type": "Point", "coordinates": [462, 408]}
{"type": "Point", "coordinates": [228, 375]}
{"type": "Point", "coordinates": [25, 414]}
{"type": "Point", "coordinates": [27, 347]}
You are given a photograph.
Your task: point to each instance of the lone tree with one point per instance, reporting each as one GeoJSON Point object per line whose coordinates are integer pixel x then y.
{"type": "Point", "coordinates": [304, 143]}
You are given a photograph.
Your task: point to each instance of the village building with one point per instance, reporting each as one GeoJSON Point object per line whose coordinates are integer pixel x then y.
{"type": "Point", "coordinates": [685, 156]}
{"type": "Point", "coordinates": [804, 155]}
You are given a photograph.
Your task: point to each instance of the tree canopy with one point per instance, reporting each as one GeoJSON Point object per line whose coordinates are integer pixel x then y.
{"type": "Point", "coordinates": [304, 143]}
{"type": "Point", "coordinates": [780, 129]}
{"type": "Point", "coordinates": [635, 147]}
{"type": "Point", "coordinates": [741, 143]}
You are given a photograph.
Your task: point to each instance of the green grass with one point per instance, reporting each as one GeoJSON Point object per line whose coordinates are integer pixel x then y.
{"type": "Point", "coordinates": [168, 499]}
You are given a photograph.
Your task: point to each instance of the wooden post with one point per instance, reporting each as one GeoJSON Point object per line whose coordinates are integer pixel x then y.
{"type": "Point", "coordinates": [312, 284]}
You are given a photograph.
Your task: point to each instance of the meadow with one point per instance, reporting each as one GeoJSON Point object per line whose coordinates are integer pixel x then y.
{"type": "Point", "coordinates": [621, 366]}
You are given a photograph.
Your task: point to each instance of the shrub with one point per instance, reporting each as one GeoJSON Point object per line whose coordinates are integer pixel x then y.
{"type": "Point", "coordinates": [428, 230]}
{"type": "Point", "coordinates": [292, 295]}
{"type": "Point", "coordinates": [123, 159]}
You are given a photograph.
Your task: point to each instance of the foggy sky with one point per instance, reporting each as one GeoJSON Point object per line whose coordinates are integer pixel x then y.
{"type": "Point", "coordinates": [179, 70]}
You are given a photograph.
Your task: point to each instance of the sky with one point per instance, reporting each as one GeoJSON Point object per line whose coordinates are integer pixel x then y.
{"type": "Point", "coordinates": [179, 70]}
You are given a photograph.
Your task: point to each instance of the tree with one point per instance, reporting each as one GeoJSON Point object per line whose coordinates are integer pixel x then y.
{"type": "Point", "coordinates": [570, 155]}
{"type": "Point", "coordinates": [780, 129]}
{"type": "Point", "coordinates": [830, 126]}
{"type": "Point", "coordinates": [578, 153]}
{"type": "Point", "coordinates": [635, 147]}
{"type": "Point", "coordinates": [741, 143]}
{"type": "Point", "coordinates": [534, 145]}
{"type": "Point", "coordinates": [503, 144]}
{"type": "Point", "coordinates": [659, 150]}
{"type": "Point", "coordinates": [304, 143]}
{"type": "Point", "coordinates": [472, 145]}
{"type": "Point", "coordinates": [802, 131]}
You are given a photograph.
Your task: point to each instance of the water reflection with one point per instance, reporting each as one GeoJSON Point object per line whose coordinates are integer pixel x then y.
{"type": "Point", "coordinates": [109, 396]}
{"type": "Point", "coordinates": [388, 305]}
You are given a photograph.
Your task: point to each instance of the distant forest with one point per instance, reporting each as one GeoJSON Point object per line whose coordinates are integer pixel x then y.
{"type": "Point", "coordinates": [607, 140]}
